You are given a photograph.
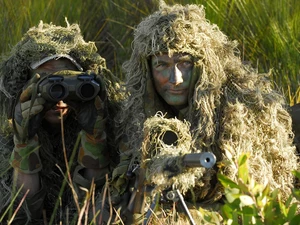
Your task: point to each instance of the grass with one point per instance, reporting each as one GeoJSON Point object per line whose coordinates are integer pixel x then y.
{"type": "Point", "coordinates": [267, 30]}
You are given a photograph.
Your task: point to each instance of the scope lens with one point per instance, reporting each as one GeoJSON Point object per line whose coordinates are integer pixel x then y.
{"type": "Point", "coordinates": [87, 91]}
{"type": "Point", "coordinates": [170, 138]}
{"type": "Point", "coordinates": [57, 91]}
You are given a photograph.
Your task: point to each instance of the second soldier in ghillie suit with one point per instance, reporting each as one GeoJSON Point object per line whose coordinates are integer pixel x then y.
{"type": "Point", "coordinates": [230, 110]}
{"type": "Point", "coordinates": [36, 149]}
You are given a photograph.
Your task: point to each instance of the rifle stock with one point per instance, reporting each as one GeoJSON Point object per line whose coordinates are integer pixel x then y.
{"type": "Point", "coordinates": [136, 202]}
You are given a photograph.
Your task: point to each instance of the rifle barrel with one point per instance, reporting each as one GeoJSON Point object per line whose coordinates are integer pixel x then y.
{"type": "Point", "coordinates": [203, 159]}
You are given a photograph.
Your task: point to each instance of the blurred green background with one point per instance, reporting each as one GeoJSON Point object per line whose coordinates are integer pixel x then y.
{"type": "Point", "coordinates": [268, 31]}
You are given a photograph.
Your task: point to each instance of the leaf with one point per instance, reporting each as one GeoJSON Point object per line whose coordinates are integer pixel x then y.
{"type": "Point", "coordinates": [283, 209]}
{"type": "Point", "coordinates": [231, 197]}
{"type": "Point", "coordinates": [296, 174]}
{"type": "Point", "coordinates": [246, 200]}
{"type": "Point", "coordinates": [295, 220]}
{"type": "Point", "coordinates": [227, 182]}
{"type": "Point", "coordinates": [268, 211]}
{"type": "Point", "coordinates": [266, 190]}
{"type": "Point", "coordinates": [288, 201]}
{"type": "Point", "coordinates": [242, 159]}
{"type": "Point", "coordinates": [250, 219]}
{"type": "Point", "coordinates": [226, 211]}
{"type": "Point", "coordinates": [243, 168]}
{"type": "Point", "coordinates": [247, 210]}
{"type": "Point", "coordinates": [296, 194]}
{"type": "Point", "coordinates": [262, 201]}
{"type": "Point", "coordinates": [235, 217]}
{"type": "Point", "coordinates": [243, 186]}
{"type": "Point", "coordinates": [292, 211]}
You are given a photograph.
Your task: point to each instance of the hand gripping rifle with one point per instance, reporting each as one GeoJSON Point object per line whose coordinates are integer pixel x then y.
{"type": "Point", "coordinates": [136, 203]}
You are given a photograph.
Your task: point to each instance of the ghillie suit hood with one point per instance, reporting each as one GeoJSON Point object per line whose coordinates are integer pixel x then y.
{"type": "Point", "coordinates": [232, 110]}
{"type": "Point", "coordinates": [41, 43]}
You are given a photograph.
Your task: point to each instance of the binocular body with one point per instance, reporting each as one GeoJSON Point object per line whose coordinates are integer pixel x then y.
{"type": "Point", "coordinates": [73, 85]}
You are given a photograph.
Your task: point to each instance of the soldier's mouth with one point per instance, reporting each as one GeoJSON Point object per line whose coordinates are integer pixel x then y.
{"type": "Point", "coordinates": [59, 110]}
{"type": "Point", "coordinates": [176, 91]}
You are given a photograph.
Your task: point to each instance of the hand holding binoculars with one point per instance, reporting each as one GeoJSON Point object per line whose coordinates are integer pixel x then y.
{"type": "Point", "coordinates": [73, 85]}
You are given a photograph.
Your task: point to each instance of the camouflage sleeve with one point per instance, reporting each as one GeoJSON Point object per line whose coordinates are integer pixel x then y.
{"type": "Point", "coordinates": [25, 156]}
{"type": "Point", "coordinates": [119, 180]}
{"type": "Point", "coordinates": [93, 152]}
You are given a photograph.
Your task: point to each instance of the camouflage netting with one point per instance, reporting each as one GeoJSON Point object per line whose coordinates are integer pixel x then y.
{"type": "Point", "coordinates": [165, 143]}
{"type": "Point", "coordinates": [39, 42]}
{"type": "Point", "coordinates": [232, 109]}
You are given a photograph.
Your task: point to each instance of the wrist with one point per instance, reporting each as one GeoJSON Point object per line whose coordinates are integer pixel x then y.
{"type": "Point", "coordinates": [25, 156]}
{"type": "Point", "coordinates": [98, 129]}
{"type": "Point", "coordinates": [93, 152]}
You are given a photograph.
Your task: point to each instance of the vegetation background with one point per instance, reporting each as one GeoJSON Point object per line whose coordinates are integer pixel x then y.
{"type": "Point", "coordinates": [268, 31]}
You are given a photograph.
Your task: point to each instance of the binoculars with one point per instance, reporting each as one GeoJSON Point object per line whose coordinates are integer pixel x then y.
{"type": "Point", "coordinates": [73, 85]}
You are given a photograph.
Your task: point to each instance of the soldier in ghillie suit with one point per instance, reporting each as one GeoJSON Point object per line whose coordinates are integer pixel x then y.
{"type": "Point", "coordinates": [38, 146]}
{"type": "Point", "coordinates": [185, 76]}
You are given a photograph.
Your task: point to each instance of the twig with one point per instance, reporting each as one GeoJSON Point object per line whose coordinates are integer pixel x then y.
{"type": "Point", "coordinates": [93, 207]}
{"type": "Point", "coordinates": [85, 207]}
{"type": "Point", "coordinates": [45, 217]}
{"type": "Point", "coordinates": [67, 163]}
{"type": "Point", "coordinates": [109, 200]}
{"type": "Point", "coordinates": [103, 202]}
{"type": "Point", "coordinates": [118, 216]}
{"type": "Point", "coordinates": [10, 205]}
{"type": "Point", "coordinates": [19, 206]}
{"type": "Point", "coordinates": [65, 180]}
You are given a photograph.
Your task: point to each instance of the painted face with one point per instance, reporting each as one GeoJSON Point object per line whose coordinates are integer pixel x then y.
{"type": "Point", "coordinates": [172, 78]}
{"type": "Point", "coordinates": [53, 116]}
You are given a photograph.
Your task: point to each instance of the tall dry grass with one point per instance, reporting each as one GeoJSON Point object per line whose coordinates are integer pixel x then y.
{"type": "Point", "coordinates": [267, 30]}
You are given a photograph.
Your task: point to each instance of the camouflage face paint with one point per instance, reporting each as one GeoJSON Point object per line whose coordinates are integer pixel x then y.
{"type": "Point", "coordinates": [172, 78]}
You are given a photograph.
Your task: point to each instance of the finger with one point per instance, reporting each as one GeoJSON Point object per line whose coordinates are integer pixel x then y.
{"type": "Point", "coordinates": [28, 113]}
{"type": "Point", "coordinates": [34, 79]}
{"type": "Point", "coordinates": [37, 101]}
{"type": "Point", "coordinates": [98, 103]}
{"type": "Point", "coordinates": [102, 92]}
{"type": "Point", "coordinates": [100, 106]}
{"type": "Point", "coordinates": [27, 93]}
{"type": "Point", "coordinates": [37, 107]}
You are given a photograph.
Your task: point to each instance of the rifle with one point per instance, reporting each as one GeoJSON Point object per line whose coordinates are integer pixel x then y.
{"type": "Point", "coordinates": [136, 203]}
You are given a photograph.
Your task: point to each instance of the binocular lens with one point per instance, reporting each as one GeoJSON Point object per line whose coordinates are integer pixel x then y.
{"type": "Point", "coordinates": [80, 87]}
{"type": "Point", "coordinates": [57, 91]}
{"type": "Point", "coordinates": [87, 91]}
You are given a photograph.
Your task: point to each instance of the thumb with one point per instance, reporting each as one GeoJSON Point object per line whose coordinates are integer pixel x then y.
{"type": "Point", "coordinates": [27, 92]}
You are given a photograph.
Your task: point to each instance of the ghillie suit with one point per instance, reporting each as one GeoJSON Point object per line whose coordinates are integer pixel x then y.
{"type": "Point", "coordinates": [40, 42]}
{"type": "Point", "coordinates": [232, 110]}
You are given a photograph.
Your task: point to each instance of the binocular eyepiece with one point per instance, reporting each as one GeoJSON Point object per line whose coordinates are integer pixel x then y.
{"type": "Point", "coordinates": [74, 85]}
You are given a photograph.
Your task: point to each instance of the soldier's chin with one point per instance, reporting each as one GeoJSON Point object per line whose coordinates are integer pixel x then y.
{"type": "Point", "coordinates": [55, 116]}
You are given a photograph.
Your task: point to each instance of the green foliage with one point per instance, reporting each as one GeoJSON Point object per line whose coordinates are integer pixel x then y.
{"type": "Point", "coordinates": [108, 23]}
{"type": "Point", "coordinates": [268, 35]}
{"type": "Point", "coordinates": [250, 203]}
{"type": "Point", "coordinates": [267, 31]}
